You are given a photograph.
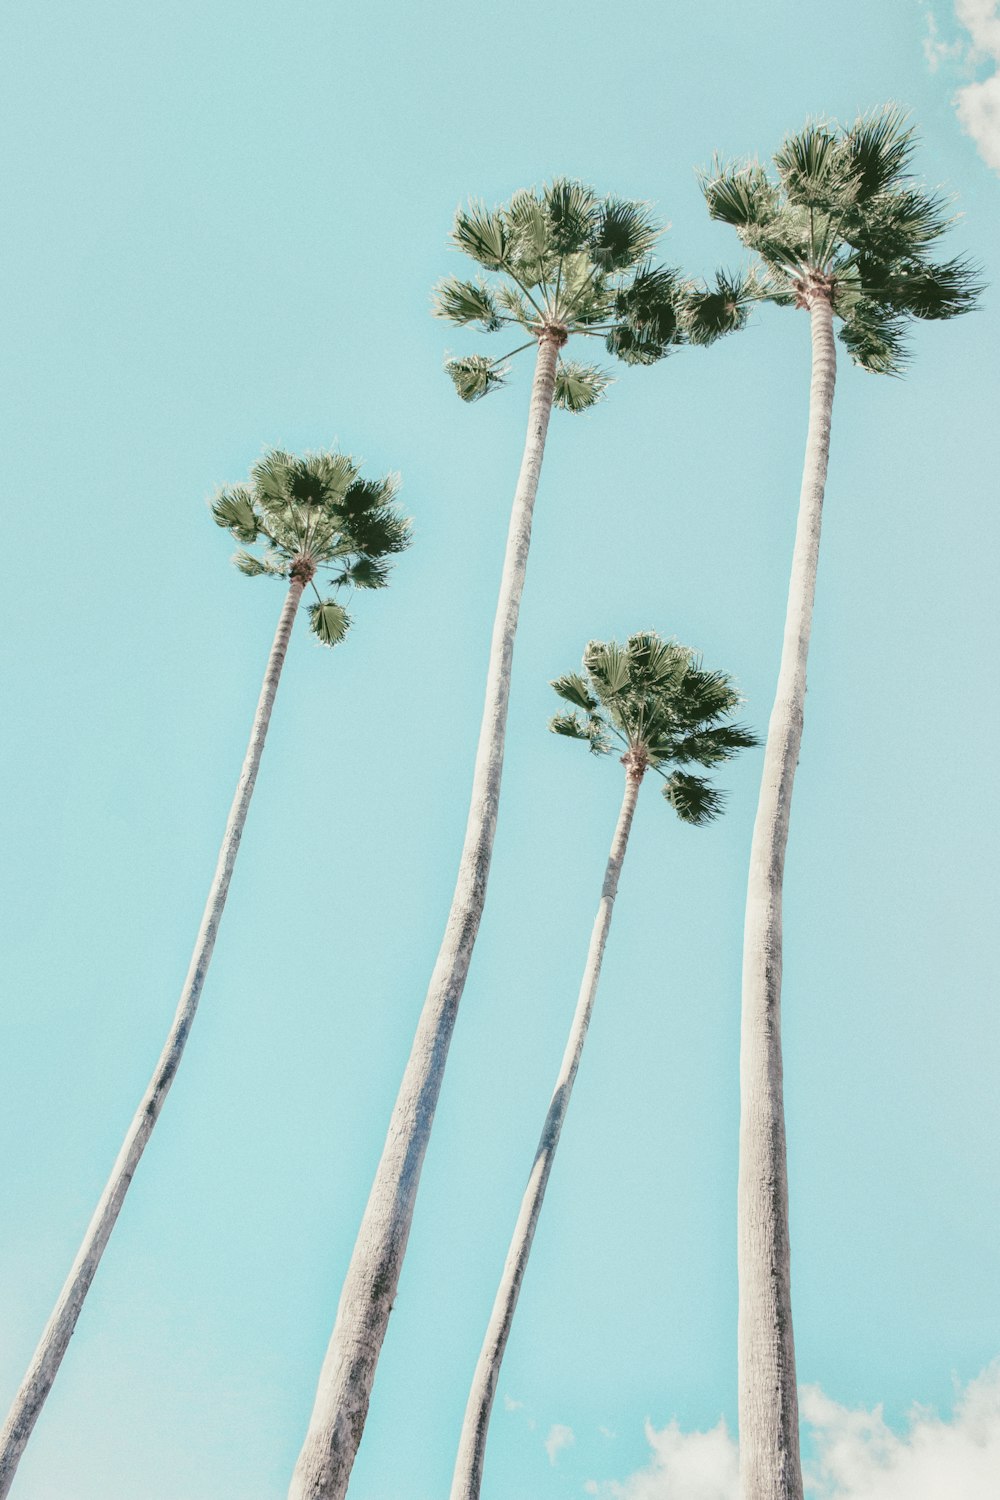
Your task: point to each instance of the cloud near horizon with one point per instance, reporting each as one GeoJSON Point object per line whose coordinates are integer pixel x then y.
{"type": "Point", "coordinates": [857, 1456]}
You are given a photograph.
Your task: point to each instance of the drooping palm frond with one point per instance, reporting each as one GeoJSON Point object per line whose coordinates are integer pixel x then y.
{"type": "Point", "coordinates": [624, 235]}
{"type": "Point", "coordinates": [945, 290]}
{"type": "Point", "coordinates": [875, 339]}
{"type": "Point", "coordinates": [664, 710]}
{"type": "Point", "coordinates": [474, 376]}
{"type": "Point", "coordinates": [709, 313]}
{"type": "Point", "coordinates": [693, 799]}
{"type": "Point", "coordinates": [579, 386]}
{"type": "Point", "coordinates": [649, 312]}
{"type": "Point", "coordinates": [316, 516]}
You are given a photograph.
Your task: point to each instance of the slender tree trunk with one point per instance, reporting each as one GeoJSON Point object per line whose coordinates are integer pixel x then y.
{"type": "Point", "coordinates": [59, 1330]}
{"type": "Point", "coordinates": [369, 1290]}
{"type": "Point", "coordinates": [770, 1467]}
{"type": "Point", "coordinates": [468, 1476]}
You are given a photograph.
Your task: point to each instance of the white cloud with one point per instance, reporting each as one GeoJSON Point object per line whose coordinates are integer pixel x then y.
{"type": "Point", "coordinates": [857, 1456]}
{"type": "Point", "coordinates": [976, 104]}
{"type": "Point", "coordinates": [509, 1404]}
{"type": "Point", "coordinates": [560, 1437]}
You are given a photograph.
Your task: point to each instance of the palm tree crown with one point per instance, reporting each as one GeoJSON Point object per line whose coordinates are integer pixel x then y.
{"type": "Point", "coordinates": [844, 220]}
{"type": "Point", "coordinates": [316, 515]}
{"type": "Point", "coordinates": [565, 262]}
{"type": "Point", "coordinates": [653, 699]}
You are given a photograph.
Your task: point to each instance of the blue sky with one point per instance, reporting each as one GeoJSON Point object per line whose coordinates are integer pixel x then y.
{"type": "Point", "coordinates": [228, 222]}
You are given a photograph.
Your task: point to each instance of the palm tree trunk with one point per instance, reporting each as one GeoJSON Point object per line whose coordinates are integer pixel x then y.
{"type": "Point", "coordinates": [369, 1290]}
{"type": "Point", "coordinates": [468, 1477]}
{"type": "Point", "coordinates": [770, 1467]}
{"type": "Point", "coordinates": [59, 1330]}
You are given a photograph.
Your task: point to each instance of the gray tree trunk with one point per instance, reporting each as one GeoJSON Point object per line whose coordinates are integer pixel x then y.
{"type": "Point", "coordinates": [468, 1477]}
{"type": "Point", "coordinates": [770, 1467]}
{"type": "Point", "coordinates": [369, 1290]}
{"type": "Point", "coordinates": [54, 1342]}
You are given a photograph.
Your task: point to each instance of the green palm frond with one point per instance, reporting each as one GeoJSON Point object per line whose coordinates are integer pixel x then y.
{"type": "Point", "coordinates": [481, 235]}
{"type": "Point", "coordinates": [875, 339]}
{"type": "Point", "coordinates": [254, 567]}
{"type": "Point", "coordinates": [474, 375]}
{"type": "Point", "coordinates": [579, 386]}
{"type": "Point", "coordinates": [740, 195]}
{"type": "Point", "coordinates": [467, 302]}
{"type": "Point", "coordinates": [878, 148]}
{"type": "Point", "coordinates": [693, 799]}
{"type": "Point", "coordinates": [812, 170]}
{"type": "Point", "coordinates": [514, 305]}
{"type": "Point", "coordinates": [710, 747]}
{"type": "Point", "coordinates": [234, 509]}
{"type": "Point", "coordinates": [708, 314]}
{"type": "Point", "coordinates": [590, 730]}
{"type": "Point", "coordinates": [900, 223]}
{"type": "Point", "coordinates": [572, 687]}
{"type": "Point", "coordinates": [624, 236]}
{"type": "Point", "coordinates": [607, 664]}
{"type": "Point", "coordinates": [365, 573]}
{"type": "Point", "coordinates": [571, 212]}
{"type": "Point", "coordinates": [930, 291]}
{"type": "Point", "coordinates": [329, 621]}
{"type": "Point", "coordinates": [648, 312]}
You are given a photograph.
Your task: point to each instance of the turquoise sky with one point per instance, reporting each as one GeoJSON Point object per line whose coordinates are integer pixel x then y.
{"type": "Point", "coordinates": [224, 222]}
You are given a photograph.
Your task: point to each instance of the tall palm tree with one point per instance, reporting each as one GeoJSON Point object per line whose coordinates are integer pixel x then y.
{"type": "Point", "coordinates": [843, 233]}
{"type": "Point", "coordinates": [565, 264]}
{"type": "Point", "coordinates": [316, 517]}
{"type": "Point", "coordinates": [652, 700]}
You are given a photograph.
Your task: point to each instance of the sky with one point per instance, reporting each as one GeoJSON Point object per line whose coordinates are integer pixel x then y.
{"type": "Point", "coordinates": [228, 221]}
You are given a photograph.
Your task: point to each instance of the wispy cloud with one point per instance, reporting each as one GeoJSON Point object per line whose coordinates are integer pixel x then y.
{"type": "Point", "coordinates": [977, 104]}
{"type": "Point", "coordinates": [509, 1404]}
{"type": "Point", "coordinates": [857, 1455]}
{"type": "Point", "coordinates": [560, 1437]}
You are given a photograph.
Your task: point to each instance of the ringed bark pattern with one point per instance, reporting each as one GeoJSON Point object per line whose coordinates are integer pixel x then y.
{"type": "Point", "coordinates": [770, 1466]}
{"type": "Point", "coordinates": [369, 1290]}
{"type": "Point", "coordinates": [55, 1339]}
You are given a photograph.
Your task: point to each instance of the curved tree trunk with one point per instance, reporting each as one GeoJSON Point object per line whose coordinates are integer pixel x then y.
{"type": "Point", "coordinates": [342, 1396]}
{"type": "Point", "coordinates": [59, 1330]}
{"type": "Point", "coordinates": [770, 1468]}
{"type": "Point", "coordinates": [468, 1476]}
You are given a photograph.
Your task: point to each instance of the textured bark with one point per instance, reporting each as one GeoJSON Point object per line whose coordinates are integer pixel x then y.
{"type": "Point", "coordinates": [369, 1290]}
{"type": "Point", "coordinates": [770, 1467]}
{"type": "Point", "coordinates": [468, 1477]}
{"type": "Point", "coordinates": [59, 1330]}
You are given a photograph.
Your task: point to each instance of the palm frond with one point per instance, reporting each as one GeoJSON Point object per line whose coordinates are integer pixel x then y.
{"type": "Point", "coordinates": [329, 621]}
{"type": "Point", "coordinates": [607, 663]}
{"type": "Point", "coordinates": [693, 799]}
{"type": "Point", "coordinates": [740, 194]}
{"type": "Point", "coordinates": [572, 687]}
{"type": "Point", "coordinates": [233, 509]}
{"type": "Point", "coordinates": [590, 730]}
{"type": "Point", "coordinates": [365, 573]}
{"type": "Point", "coordinates": [474, 375]}
{"type": "Point", "coordinates": [579, 386]}
{"type": "Point", "coordinates": [708, 314]}
{"type": "Point", "coordinates": [510, 300]}
{"type": "Point", "coordinates": [570, 209]}
{"type": "Point", "coordinates": [812, 170]}
{"type": "Point", "coordinates": [647, 310]}
{"type": "Point", "coordinates": [874, 339]}
{"type": "Point", "coordinates": [253, 567]}
{"type": "Point", "coordinates": [710, 747]}
{"type": "Point", "coordinates": [465, 302]}
{"type": "Point", "coordinates": [895, 224]}
{"type": "Point", "coordinates": [624, 235]}
{"type": "Point", "coordinates": [878, 148]}
{"type": "Point", "coordinates": [924, 290]}
{"type": "Point", "coordinates": [481, 235]}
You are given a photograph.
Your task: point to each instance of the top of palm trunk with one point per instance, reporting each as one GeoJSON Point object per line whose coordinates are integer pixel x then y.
{"type": "Point", "coordinates": [843, 220]}
{"type": "Point", "coordinates": [654, 700]}
{"type": "Point", "coordinates": [316, 515]}
{"type": "Point", "coordinates": [565, 262]}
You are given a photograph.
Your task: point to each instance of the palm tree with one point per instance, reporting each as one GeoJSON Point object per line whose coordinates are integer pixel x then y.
{"type": "Point", "coordinates": [652, 700]}
{"type": "Point", "coordinates": [843, 233]}
{"type": "Point", "coordinates": [315, 516]}
{"type": "Point", "coordinates": [565, 263]}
